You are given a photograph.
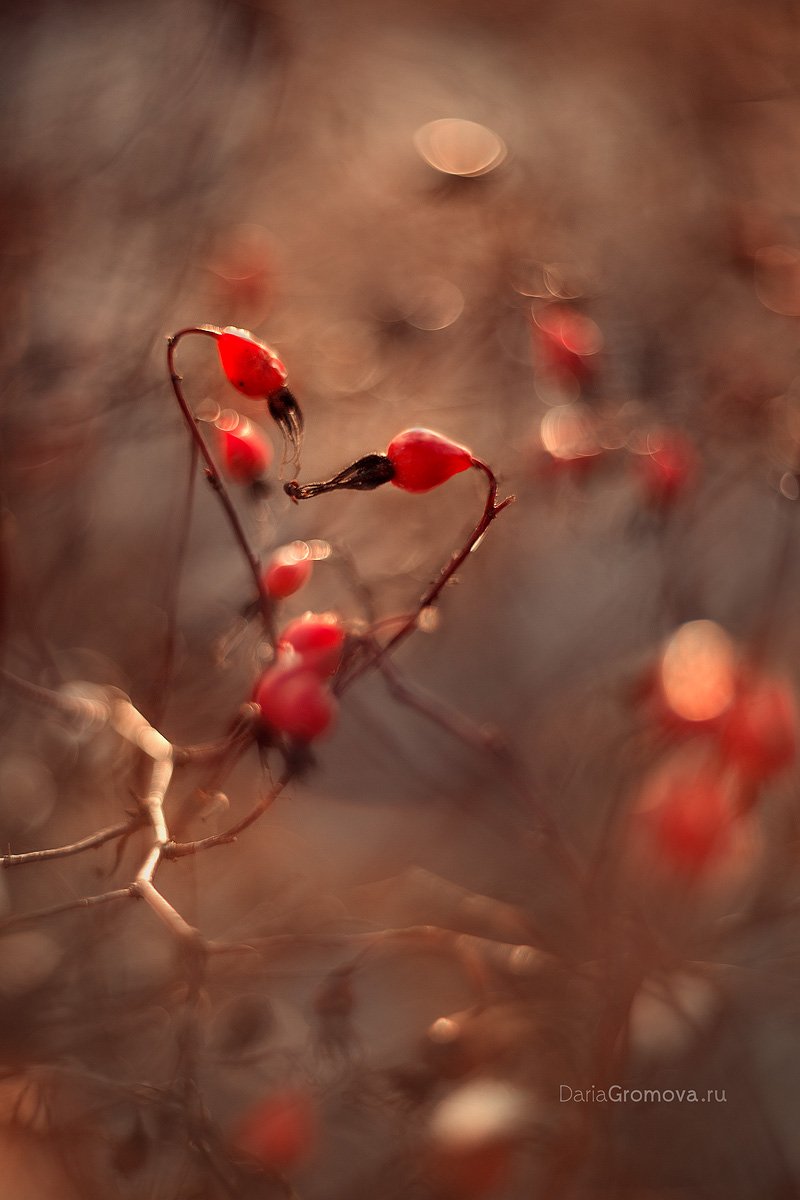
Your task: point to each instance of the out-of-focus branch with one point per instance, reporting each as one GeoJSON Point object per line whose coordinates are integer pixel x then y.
{"type": "Point", "coordinates": [491, 510]}
{"type": "Point", "coordinates": [55, 910]}
{"type": "Point", "coordinates": [486, 741]}
{"type": "Point", "coordinates": [182, 849]}
{"type": "Point", "coordinates": [101, 838]}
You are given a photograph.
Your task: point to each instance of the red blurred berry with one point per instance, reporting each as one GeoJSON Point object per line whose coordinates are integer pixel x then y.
{"type": "Point", "coordinates": [470, 1172]}
{"type": "Point", "coordinates": [423, 459]}
{"type": "Point", "coordinates": [294, 700]}
{"type": "Point", "coordinates": [566, 342]}
{"type": "Point", "coordinates": [249, 364]}
{"type": "Point", "coordinates": [759, 734]}
{"type": "Point", "coordinates": [318, 638]}
{"type": "Point", "coordinates": [473, 1132]}
{"type": "Point", "coordinates": [246, 454]}
{"type": "Point", "coordinates": [280, 1131]}
{"type": "Point", "coordinates": [668, 470]}
{"type": "Point", "coordinates": [288, 570]}
{"type": "Point", "coordinates": [688, 817]}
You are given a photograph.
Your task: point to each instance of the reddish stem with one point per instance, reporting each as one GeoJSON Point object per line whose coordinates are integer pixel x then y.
{"type": "Point", "coordinates": [491, 510]}
{"type": "Point", "coordinates": [214, 477]}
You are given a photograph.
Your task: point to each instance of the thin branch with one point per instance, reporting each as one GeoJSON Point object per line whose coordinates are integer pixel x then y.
{"type": "Point", "coordinates": [475, 953]}
{"type": "Point", "coordinates": [214, 477]}
{"type": "Point", "coordinates": [182, 849]}
{"type": "Point", "coordinates": [491, 511]}
{"type": "Point", "coordinates": [228, 754]}
{"type": "Point", "coordinates": [205, 752]}
{"type": "Point", "coordinates": [110, 834]}
{"type": "Point", "coordinates": [485, 741]}
{"type": "Point", "coordinates": [478, 737]}
{"type": "Point", "coordinates": [68, 906]}
{"type": "Point", "coordinates": [153, 803]}
{"type": "Point", "coordinates": [164, 683]}
{"type": "Point", "coordinates": [73, 708]}
{"type": "Point", "coordinates": [145, 889]}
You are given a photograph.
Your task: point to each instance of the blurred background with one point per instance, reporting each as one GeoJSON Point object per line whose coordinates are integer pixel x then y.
{"type": "Point", "coordinates": [569, 237]}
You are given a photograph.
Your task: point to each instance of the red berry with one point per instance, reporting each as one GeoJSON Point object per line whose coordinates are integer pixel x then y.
{"type": "Point", "coordinates": [668, 469]}
{"type": "Point", "coordinates": [688, 818]}
{"type": "Point", "coordinates": [318, 638]}
{"type": "Point", "coordinates": [759, 734]}
{"type": "Point", "coordinates": [288, 570]}
{"type": "Point", "coordinates": [246, 453]}
{"type": "Point", "coordinates": [295, 701]}
{"type": "Point", "coordinates": [470, 1172]}
{"type": "Point", "coordinates": [423, 459]}
{"type": "Point", "coordinates": [473, 1132]}
{"type": "Point", "coordinates": [250, 365]}
{"type": "Point", "coordinates": [566, 341]}
{"type": "Point", "coordinates": [280, 1131]}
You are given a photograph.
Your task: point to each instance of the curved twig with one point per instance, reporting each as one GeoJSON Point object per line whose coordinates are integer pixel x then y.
{"type": "Point", "coordinates": [213, 475]}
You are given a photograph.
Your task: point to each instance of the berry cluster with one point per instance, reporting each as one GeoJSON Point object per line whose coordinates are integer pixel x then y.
{"type": "Point", "coordinates": [734, 728]}
{"type": "Point", "coordinates": [293, 694]}
{"type": "Point", "coordinates": [576, 439]}
{"type": "Point", "coordinates": [294, 697]}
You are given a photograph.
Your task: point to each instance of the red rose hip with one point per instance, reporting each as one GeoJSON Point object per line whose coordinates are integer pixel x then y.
{"type": "Point", "coordinates": [249, 364]}
{"type": "Point", "coordinates": [687, 818]}
{"type": "Point", "coordinates": [423, 459]}
{"type": "Point", "coordinates": [288, 570]}
{"type": "Point", "coordinates": [318, 640]}
{"type": "Point", "coordinates": [567, 342]}
{"type": "Point", "coordinates": [668, 470]}
{"type": "Point", "coordinates": [295, 701]}
{"type": "Point", "coordinates": [246, 454]}
{"type": "Point", "coordinates": [759, 734]}
{"type": "Point", "coordinates": [279, 1131]}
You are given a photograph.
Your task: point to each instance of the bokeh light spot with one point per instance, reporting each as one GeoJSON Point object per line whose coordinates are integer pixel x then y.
{"type": "Point", "coordinates": [457, 147]}
{"type": "Point", "coordinates": [698, 671]}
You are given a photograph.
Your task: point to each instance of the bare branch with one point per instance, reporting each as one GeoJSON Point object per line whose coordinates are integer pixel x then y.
{"type": "Point", "coordinates": [214, 477]}
{"type": "Point", "coordinates": [67, 906]}
{"type": "Point", "coordinates": [182, 849]}
{"type": "Point", "coordinates": [129, 723]}
{"type": "Point", "coordinates": [154, 801]}
{"type": "Point", "coordinates": [491, 510]}
{"type": "Point", "coordinates": [109, 834]}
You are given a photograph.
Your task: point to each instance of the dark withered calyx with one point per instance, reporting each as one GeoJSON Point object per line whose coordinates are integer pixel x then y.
{"type": "Point", "coordinates": [364, 475]}
{"type": "Point", "coordinates": [284, 409]}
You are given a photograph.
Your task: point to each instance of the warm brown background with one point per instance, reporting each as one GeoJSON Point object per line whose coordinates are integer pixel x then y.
{"type": "Point", "coordinates": [653, 148]}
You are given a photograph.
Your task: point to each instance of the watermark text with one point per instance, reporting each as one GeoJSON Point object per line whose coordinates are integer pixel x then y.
{"type": "Point", "coordinates": [615, 1093]}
